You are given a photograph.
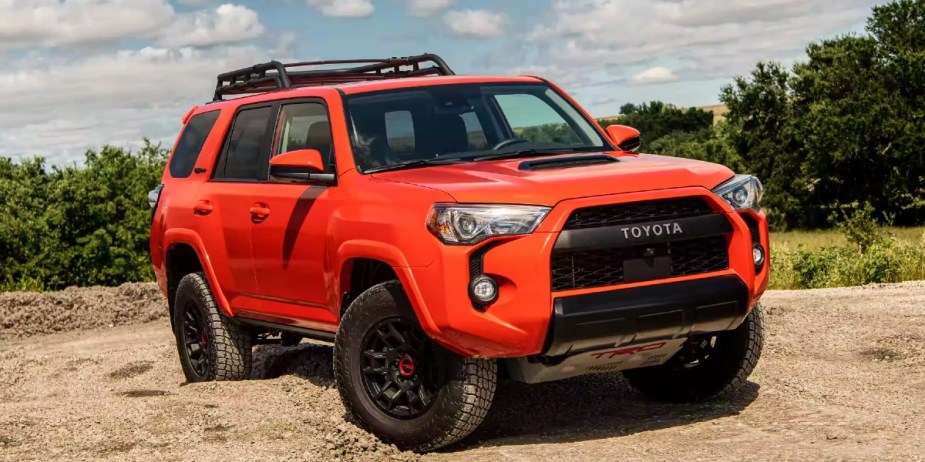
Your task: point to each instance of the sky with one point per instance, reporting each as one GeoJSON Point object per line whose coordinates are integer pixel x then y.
{"type": "Point", "coordinates": [78, 74]}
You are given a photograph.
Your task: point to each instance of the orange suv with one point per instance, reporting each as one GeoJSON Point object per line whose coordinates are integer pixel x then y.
{"type": "Point", "coordinates": [442, 231]}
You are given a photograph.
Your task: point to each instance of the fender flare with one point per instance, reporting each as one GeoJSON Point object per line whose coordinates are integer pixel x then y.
{"type": "Point", "coordinates": [175, 236]}
{"type": "Point", "coordinates": [392, 256]}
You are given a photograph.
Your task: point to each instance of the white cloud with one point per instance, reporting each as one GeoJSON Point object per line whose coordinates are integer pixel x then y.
{"type": "Point", "coordinates": [422, 8]}
{"type": "Point", "coordinates": [476, 23]}
{"type": "Point", "coordinates": [226, 24]}
{"type": "Point", "coordinates": [344, 8]}
{"type": "Point", "coordinates": [52, 23]}
{"type": "Point", "coordinates": [709, 38]}
{"type": "Point", "coordinates": [657, 74]}
{"type": "Point", "coordinates": [63, 23]}
{"type": "Point", "coordinates": [60, 107]}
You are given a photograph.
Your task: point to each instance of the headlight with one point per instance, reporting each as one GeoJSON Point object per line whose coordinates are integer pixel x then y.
{"type": "Point", "coordinates": [741, 192]}
{"type": "Point", "coordinates": [470, 224]}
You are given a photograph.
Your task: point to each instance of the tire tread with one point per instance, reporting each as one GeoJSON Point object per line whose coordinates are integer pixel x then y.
{"type": "Point", "coordinates": [231, 342]}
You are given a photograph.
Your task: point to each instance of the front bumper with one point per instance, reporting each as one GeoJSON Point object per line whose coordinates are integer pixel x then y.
{"type": "Point", "coordinates": [643, 314]}
{"type": "Point", "coordinates": [523, 321]}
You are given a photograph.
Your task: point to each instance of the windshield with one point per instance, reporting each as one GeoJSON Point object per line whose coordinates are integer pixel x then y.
{"type": "Point", "coordinates": [464, 123]}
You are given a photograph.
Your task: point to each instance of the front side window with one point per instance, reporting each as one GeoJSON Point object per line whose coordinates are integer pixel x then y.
{"type": "Point", "coordinates": [464, 123]}
{"type": "Point", "coordinates": [305, 126]}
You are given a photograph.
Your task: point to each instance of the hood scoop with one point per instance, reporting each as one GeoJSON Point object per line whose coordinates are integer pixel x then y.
{"type": "Point", "coordinates": [566, 162]}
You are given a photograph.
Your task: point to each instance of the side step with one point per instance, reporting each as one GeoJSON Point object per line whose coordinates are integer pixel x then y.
{"type": "Point", "coordinates": [313, 334]}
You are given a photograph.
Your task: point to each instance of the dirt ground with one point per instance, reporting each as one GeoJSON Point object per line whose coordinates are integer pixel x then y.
{"type": "Point", "coordinates": [842, 378]}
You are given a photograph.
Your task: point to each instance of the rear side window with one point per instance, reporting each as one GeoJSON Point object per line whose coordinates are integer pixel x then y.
{"type": "Point", "coordinates": [246, 146]}
{"type": "Point", "coordinates": [191, 142]}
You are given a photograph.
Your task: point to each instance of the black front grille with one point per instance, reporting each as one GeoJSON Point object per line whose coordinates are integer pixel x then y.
{"type": "Point", "coordinates": [581, 270]}
{"type": "Point", "coordinates": [667, 258]}
{"type": "Point", "coordinates": [699, 256]}
{"type": "Point", "coordinates": [604, 267]}
{"type": "Point", "coordinates": [637, 212]}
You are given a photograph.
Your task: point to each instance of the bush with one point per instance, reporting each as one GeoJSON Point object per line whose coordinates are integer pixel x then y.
{"type": "Point", "coordinates": [886, 260]}
{"type": "Point", "coordinates": [74, 225]}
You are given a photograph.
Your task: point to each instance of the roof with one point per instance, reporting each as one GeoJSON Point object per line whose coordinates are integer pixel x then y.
{"type": "Point", "coordinates": [353, 88]}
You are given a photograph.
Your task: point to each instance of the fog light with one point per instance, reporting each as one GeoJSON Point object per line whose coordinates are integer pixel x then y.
{"type": "Point", "coordinates": [758, 255]}
{"type": "Point", "coordinates": [483, 290]}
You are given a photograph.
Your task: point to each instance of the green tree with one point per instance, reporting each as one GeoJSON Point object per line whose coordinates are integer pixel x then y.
{"type": "Point", "coordinates": [657, 119]}
{"type": "Point", "coordinates": [77, 225]}
{"type": "Point", "coordinates": [845, 126]}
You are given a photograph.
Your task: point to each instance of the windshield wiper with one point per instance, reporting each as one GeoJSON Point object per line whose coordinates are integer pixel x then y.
{"type": "Point", "coordinates": [536, 152]}
{"type": "Point", "coordinates": [414, 164]}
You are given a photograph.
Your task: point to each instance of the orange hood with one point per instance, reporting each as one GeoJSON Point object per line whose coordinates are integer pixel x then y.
{"type": "Point", "coordinates": [501, 181]}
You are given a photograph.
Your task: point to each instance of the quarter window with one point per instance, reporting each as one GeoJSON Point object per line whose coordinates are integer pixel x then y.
{"type": "Point", "coordinates": [190, 144]}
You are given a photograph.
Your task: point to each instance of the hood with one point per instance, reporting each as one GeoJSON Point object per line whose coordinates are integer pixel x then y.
{"type": "Point", "coordinates": [502, 181]}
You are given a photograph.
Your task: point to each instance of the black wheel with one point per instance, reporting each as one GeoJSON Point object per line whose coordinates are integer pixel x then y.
{"type": "Point", "coordinates": [211, 346]}
{"type": "Point", "coordinates": [708, 366]}
{"type": "Point", "coordinates": [398, 383]}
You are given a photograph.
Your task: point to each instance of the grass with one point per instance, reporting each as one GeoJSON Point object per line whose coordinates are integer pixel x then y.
{"type": "Point", "coordinates": [817, 259]}
{"type": "Point", "coordinates": [827, 238]}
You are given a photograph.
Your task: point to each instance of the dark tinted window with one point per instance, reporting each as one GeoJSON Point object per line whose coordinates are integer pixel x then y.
{"type": "Point", "coordinates": [191, 141]}
{"type": "Point", "coordinates": [465, 122]}
{"type": "Point", "coordinates": [246, 145]}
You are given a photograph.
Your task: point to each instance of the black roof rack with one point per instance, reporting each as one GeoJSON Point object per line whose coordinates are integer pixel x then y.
{"type": "Point", "coordinates": [275, 75]}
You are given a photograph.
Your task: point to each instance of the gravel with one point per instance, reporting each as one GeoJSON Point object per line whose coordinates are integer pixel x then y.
{"type": "Point", "coordinates": [842, 377]}
{"type": "Point", "coordinates": [24, 314]}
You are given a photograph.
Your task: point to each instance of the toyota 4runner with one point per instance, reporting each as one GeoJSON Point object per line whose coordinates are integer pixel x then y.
{"type": "Point", "coordinates": [442, 231]}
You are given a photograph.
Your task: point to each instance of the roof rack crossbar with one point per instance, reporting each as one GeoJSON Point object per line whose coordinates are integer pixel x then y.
{"type": "Point", "coordinates": [274, 75]}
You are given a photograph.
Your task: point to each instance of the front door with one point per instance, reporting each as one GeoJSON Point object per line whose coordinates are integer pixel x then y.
{"type": "Point", "coordinates": [290, 238]}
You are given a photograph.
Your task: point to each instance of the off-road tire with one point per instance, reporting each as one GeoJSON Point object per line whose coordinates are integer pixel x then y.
{"type": "Point", "coordinates": [229, 343]}
{"type": "Point", "coordinates": [459, 406]}
{"type": "Point", "coordinates": [720, 376]}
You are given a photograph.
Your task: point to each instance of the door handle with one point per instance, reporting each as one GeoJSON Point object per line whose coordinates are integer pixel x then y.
{"type": "Point", "coordinates": [202, 207]}
{"type": "Point", "coordinates": [260, 211]}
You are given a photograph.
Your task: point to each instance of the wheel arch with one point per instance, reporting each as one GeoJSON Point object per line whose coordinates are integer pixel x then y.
{"type": "Point", "coordinates": [185, 254]}
{"type": "Point", "coordinates": [364, 264]}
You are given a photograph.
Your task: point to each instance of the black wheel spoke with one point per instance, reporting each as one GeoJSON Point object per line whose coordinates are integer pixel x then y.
{"type": "Point", "coordinates": [399, 368]}
{"type": "Point", "coordinates": [382, 370]}
{"type": "Point", "coordinates": [193, 334]}
{"type": "Point", "coordinates": [377, 355]}
{"type": "Point", "coordinates": [393, 333]}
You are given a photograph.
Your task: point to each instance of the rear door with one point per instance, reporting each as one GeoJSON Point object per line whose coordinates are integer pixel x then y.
{"type": "Point", "coordinates": [226, 203]}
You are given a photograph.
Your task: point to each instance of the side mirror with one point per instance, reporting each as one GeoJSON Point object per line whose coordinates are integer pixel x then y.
{"type": "Point", "coordinates": [626, 138]}
{"type": "Point", "coordinates": [300, 166]}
